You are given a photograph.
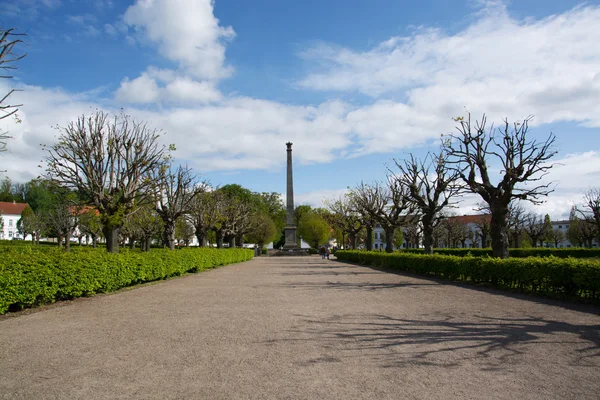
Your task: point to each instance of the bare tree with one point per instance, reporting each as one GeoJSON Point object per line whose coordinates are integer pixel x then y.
{"type": "Point", "coordinates": [483, 229]}
{"type": "Point", "coordinates": [516, 222]}
{"type": "Point", "coordinates": [429, 192]}
{"type": "Point", "coordinates": [346, 218]}
{"type": "Point", "coordinates": [203, 215]}
{"type": "Point", "coordinates": [8, 58]}
{"type": "Point", "coordinates": [174, 193]}
{"type": "Point", "coordinates": [384, 204]}
{"type": "Point", "coordinates": [523, 162]}
{"type": "Point", "coordinates": [108, 160]}
{"type": "Point", "coordinates": [535, 229]}
{"type": "Point", "coordinates": [591, 208]}
{"type": "Point", "coordinates": [62, 219]}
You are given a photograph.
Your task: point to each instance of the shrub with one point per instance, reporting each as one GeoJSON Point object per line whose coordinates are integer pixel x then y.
{"type": "Point", "coordinates": [575, 252]}
{"type": "Point", "coordinates": [31, 276]}
{"type": "Point", "coordinates": [550, 276]}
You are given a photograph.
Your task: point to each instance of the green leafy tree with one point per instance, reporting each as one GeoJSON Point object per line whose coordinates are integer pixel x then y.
{"type": "Point", "coordinates": [398, 238]}
{"type": "Point", "coordinates": [29, 224]}
{"type": "Point", "coordinates": [548, 231]}
{"type": "Point", "coordinates": [263, 229]}
{"type": "Point", "coordinates": [313, 229]}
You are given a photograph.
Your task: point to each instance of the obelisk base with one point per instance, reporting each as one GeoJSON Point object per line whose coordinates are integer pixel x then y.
{"type": "Point", "coordinates": [291, 248]}
{"type": "Point", "coordinates": [290, 238]}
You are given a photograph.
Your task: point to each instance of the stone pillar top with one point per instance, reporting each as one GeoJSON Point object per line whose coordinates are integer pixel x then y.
{"type": "Point", "coordinates": [289, 146]}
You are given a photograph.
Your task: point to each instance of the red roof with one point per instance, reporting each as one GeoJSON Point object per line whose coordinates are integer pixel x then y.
{"type": "Point", "coordinates": [78, 210]}
{"type": "Point", "coordinates": [8, 207]}
{"type": "Point", "coordinates": [471, 219]}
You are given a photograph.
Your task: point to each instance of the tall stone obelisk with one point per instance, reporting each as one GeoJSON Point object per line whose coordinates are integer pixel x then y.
{"type": "Point", "coordinates": [290, 227]}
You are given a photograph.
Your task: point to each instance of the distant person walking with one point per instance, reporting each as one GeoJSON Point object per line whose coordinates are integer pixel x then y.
{"type": "Point", "coordinates": [323, 252]}
{"type": "Point", "coordinates": [327, 252]}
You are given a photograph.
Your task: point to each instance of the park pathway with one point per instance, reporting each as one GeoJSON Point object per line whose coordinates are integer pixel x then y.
{"type": "Point", "coordinates": [302, 328]}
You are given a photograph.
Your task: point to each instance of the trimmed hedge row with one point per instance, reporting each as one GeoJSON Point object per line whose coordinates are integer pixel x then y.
{"type": "Point", "coordinates": [31, 276]}
{"type": "Point", "coordinates": [549, 276]}
{"type": "Point", "coordinates": [575, 252]}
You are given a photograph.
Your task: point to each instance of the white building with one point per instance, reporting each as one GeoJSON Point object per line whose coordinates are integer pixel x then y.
{"type": "Point", "coordinates": [11, 213]}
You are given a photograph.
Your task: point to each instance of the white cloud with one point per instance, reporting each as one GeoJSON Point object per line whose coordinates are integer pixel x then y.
{"type": "Point", "coordinates": [499, 65]}
{"type": "Point", "coordinates": [142, 89]}
{"type": "Point", "coordinates": [186, 32]}
{"type": "Point", "coordinates": [166, 87]}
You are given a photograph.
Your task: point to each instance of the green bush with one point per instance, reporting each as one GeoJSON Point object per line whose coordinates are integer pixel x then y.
{"type": "Point", "coordinates": [31, 276]}
{"type": "Point", "coordinates": [575, 252]}
{"type": "Point", "coordinates": [264, 251]}
{"type": "Point", "coordinates": [313, 251]}
{"type": "Point", "coordinates": [550, 276]}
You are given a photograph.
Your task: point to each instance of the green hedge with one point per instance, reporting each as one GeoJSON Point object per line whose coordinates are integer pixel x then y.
{"type": "Point", "coordinates": [31, 276]}
{"type": "Point", "coordinates": [575, 252]}
{"type": "Point", "coordinates": [549, 276]}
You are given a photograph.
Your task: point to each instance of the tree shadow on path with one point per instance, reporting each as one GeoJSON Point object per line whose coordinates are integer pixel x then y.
{"type": "Point", "coordinates": [492, 343]}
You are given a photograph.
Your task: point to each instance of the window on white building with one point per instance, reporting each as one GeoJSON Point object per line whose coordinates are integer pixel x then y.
{"type": "Point", "coordinates": [9, 234]}
{"type": "Point", "coordinates": [10, 222]}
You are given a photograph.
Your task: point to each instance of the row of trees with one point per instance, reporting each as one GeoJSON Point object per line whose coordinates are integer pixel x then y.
{"type": "Point", "coordinates": [419, 192]}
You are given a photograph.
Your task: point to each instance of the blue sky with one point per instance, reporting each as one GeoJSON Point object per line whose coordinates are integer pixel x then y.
{"type": "Point", "coordinates": [352, 83]}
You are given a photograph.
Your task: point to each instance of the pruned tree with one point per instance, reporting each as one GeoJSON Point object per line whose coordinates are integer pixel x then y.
{"type": "Point", "coordinates": [431, 187]}
{"type": "Point", "coordinates": [90, 225]}
{"type": "Point", "coordinates": [184, 231]}
{"type": "Point", "coordinates": [144, 223]}
{"type": "Point", "coordinates": [202, 215]}
{"type": "Point", "coordinates": [384, 204]}
{"type": "Point", "coordinates": [483, 229]}
{"type": "Point", "coordinates": [9, 40]}
{"type": "Point", "coordinates": [582, 231]}
{"type": "Point", "coordinates": [108, 160]}
{"type": "Point", "coordinates": [524, 163]}
{"type": "Point", "coordinates": [535, 229]}
{"type": "Point", "coordinates": [590, 210]}
{"type": "Point", "coordinates": [344, 217]}
{"type": "Point", "coordinates": [62, 219]}
{"type": "Point", "coordinates": [174, 192]}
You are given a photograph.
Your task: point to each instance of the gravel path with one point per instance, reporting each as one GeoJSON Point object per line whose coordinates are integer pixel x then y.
{"type": "Point", "coordinates": [302, 328]}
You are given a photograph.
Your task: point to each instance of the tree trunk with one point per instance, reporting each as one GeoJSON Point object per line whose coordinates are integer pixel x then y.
{"type": "Point", "coordinates": [352, 241]}
{"type": "Point", "coordinates": [389, 239]}
{"type": "Point", "coordinates": [131, 243]}
{"type": "Point", "coordinates": [231, 241]}
{"type": "Point", "coordinates": [498, 231]}
{"type": "Point", "coordinates": [219, 237]}
{"type": "Point", "coordinates": [169, 234]}
{"type": "Point", "coordinates": [369, 238]}
{"type": "Point", "coordinates": [428, 234]}
{"type": "Point", "coordinates": [68, 241]}
{"type": "Point", "coordinates": [59, 239]}
{"type": "Point", "coordinates": [111, 233]}
{"type": "Point", "coordinates": [94, 241]}
{"type": "Point", "coordinates": [239, 241]}
{"type": "Point", "coordinates": [201, 236]}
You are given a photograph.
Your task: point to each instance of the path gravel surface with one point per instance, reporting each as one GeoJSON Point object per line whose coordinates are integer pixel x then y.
{"type": "Point", "coordinates": [302, 328]}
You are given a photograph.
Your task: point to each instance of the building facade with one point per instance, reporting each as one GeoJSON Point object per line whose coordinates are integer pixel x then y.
{"type": "Point", "coordinates": [11, 213]}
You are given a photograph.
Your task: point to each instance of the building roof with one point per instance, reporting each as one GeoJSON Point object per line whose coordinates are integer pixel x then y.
{"type": "Point", "coordinates": [7, 207]}
{"type": "Point", "coordinates": [470, 219]}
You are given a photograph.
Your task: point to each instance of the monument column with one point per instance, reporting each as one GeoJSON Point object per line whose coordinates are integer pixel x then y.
{"type": "Point", "coordinates": [290, 227]}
